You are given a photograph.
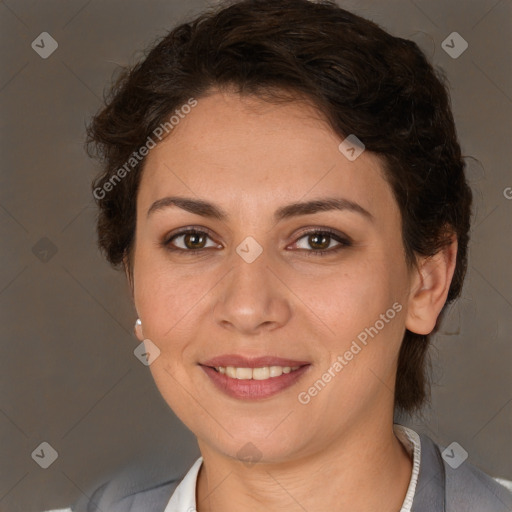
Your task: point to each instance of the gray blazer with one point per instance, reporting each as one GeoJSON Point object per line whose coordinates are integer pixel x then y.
{"type": "Point", "coordinates": [439, 489]}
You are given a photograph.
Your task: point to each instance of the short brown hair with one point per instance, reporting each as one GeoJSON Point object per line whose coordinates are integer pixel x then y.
{"type": "Point", "coordinates": [362, 79]}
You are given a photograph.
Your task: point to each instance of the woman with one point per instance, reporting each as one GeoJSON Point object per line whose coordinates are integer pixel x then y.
{"type": "Point", "coordinates": [284, 187]}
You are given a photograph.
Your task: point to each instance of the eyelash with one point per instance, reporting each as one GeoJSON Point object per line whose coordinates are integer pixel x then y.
{"type": "Point", "coordinates": [344, 241]}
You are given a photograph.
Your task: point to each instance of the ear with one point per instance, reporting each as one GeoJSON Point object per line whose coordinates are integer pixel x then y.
{"type": "Point", "coordinates": [129, 278]}
{"type": "Point", "coordinates": [429, 290]}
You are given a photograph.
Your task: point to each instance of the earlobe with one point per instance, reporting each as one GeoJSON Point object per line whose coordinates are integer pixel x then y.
{"type": "Point", "coordinates": [429, 290]}
{"type": "Point", "coordinates": [138, 330]}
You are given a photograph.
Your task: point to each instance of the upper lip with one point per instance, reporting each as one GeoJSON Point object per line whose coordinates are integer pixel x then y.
{"type": "Point", "coordinates": [251, 362]}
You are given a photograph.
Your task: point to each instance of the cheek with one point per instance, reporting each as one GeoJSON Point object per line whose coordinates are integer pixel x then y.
{"type": "Point", "coordinates": [167, 298]}
{"type": "Point", "coordinates": [353, 296]}
{"type": "Point", "coordinates": [363, 309]}
{"type": "Point", "coordinates": [364, 313]}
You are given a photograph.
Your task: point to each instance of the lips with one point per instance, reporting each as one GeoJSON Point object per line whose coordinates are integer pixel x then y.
{"type": "Point", "coordinates": [244, 387]}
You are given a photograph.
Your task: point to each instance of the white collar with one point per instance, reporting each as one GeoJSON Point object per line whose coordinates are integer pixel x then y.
{"type": "Point", "coordinates": [184, 496]}
{"type": "Point", "coordinates": [411, 441]}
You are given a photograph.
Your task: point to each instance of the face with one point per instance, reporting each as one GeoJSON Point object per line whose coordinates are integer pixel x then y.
{"type": "Point", "coordinates": [257, 283]}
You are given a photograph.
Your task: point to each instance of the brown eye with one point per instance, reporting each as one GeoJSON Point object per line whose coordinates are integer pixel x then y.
{"type": "Point", "coordinates": [319, 241]}
{"type": "Point", "coordinates": [194, 240]}
{"type": "Point", "coordinates": [189, 240]}
{"type": "Point", "coordinates": [322, 242]}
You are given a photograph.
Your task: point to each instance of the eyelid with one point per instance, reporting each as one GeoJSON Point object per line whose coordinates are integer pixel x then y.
{"type": "Point", "coordinates": [342, 239]}
{"type": "Point", "coordinates": [323, 229]}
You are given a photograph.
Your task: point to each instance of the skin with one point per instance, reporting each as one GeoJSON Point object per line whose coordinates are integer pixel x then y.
{"type": "Point", "coordinates": [249, 157]}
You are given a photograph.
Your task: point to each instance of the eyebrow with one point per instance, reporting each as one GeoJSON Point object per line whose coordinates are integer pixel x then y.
{"type": "Point", "coordinates": [207, 209]}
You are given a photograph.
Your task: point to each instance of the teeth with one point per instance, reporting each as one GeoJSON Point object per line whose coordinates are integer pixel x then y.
{"type": "Point", "coordinates": [243, 373]}
{"type": "Point", "coordinates": [275, 371]}
{"type": "Point", "coordinates": [263, 373]}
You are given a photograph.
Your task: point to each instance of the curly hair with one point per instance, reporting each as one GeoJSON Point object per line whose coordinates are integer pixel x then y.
{"type": "Point", "coordinates": [363, 80]}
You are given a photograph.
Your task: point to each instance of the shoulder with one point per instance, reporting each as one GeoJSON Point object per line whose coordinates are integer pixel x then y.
{"type": "Point", "coordinates": [466, 487]}
{"type": "Point", "coordinates": [136, 487]}
{"type": "Point", "coordinates": [111, 497]}
{"type": "Point", "coordinates": [114, 496]}
{"type": "Point", "coordinates": [469, 488]}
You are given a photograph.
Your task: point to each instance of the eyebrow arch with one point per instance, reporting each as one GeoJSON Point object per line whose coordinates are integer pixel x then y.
{"type": "Point", "coordinates": [206, 209]}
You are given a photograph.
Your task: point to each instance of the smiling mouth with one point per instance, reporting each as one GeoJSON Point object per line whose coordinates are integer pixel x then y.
{"type": "Point", "coordinates": [254, 382]}
{"type": "Point", "coordinates": [261, 373]}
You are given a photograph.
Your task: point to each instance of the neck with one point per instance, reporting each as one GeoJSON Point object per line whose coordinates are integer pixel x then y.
{"type": "Point", "coordinates": [367, 469]}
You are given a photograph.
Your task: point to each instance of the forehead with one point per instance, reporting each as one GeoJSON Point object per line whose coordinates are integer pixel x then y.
{"type": "Point", "coordinates": [231, 147]}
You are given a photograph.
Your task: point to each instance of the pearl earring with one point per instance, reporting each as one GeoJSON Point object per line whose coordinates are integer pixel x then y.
{"type": "Point", "coordinates": [138, 322]}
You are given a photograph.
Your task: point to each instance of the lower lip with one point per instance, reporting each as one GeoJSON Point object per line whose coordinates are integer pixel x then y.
{"type": "Point", "coordinates": [250, 389]}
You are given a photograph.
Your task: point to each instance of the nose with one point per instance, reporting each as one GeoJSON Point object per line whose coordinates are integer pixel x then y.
{"type": "Point", "coordinates": [251, 298]}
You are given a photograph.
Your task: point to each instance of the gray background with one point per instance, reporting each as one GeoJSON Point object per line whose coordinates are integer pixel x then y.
{"type": "Point", "coordinates": [68, 373]}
